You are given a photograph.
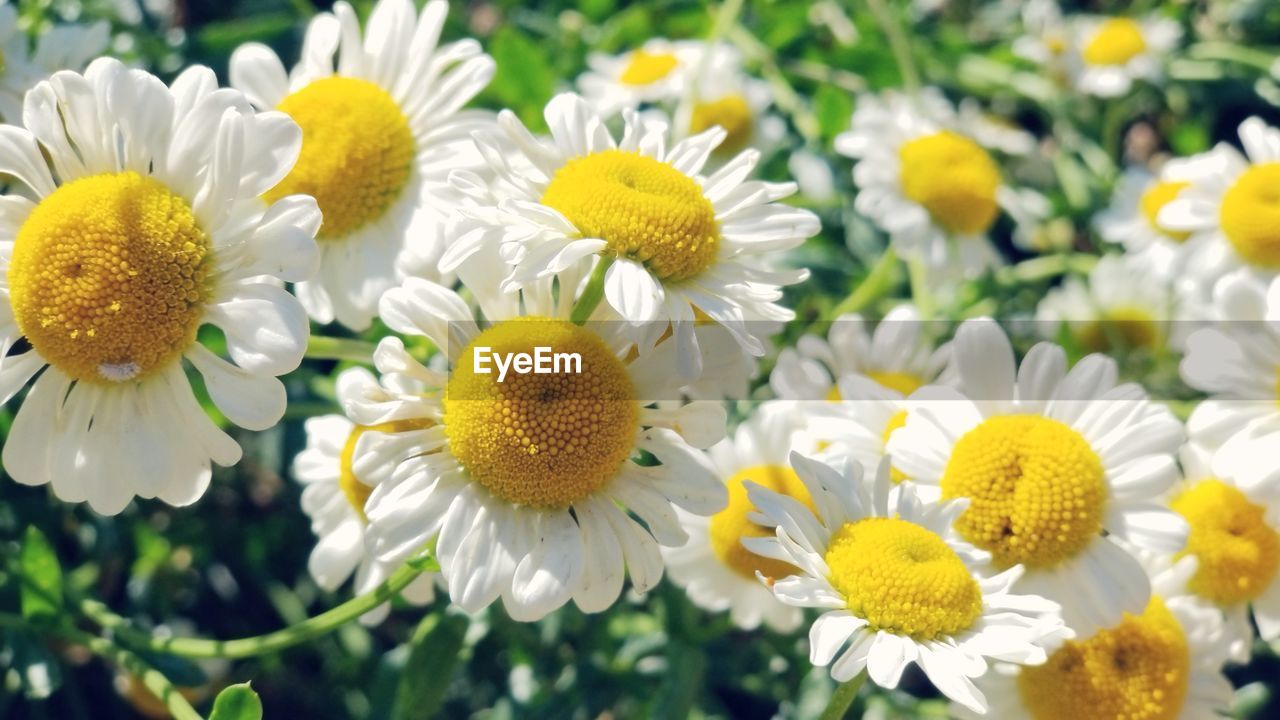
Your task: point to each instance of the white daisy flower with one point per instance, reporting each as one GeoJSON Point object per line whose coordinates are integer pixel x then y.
{"type": "Point", "coordinates": [897, 584]}
{"type": "Point", "coordinates": [713, 566]}
{"type": "Point", "coordinates": [1229, 208]}
{"type": "Point", "coordinates": [1163, 661]}
{"type": "Point", "coordinates": [22, 66]}
{"type": "Point", "coordinates": [927, 181]}
{"type": "Point", "coordinates": [529, 485]}
{"type": "Point", "coordinates": [1126, 304]}
{"type": "Point", "coordinates": [677, 245]}
{"type": "Point", "coordinates": [721, 94]}
{"type": "Point", "coordinates": [1132, 218]}
{"type": "Point", "coordinates": [657, 72]}
{"type": "Point", "coordinates": [1236, 361]}
{"type": "Point", "coordinates": [1110, 53]}
{"type": "Point", "coordinates": [1056, 465]}
{"type": "Point", "coordinates": [381, 132]}
{"type": "Point", "coordinates": [864, 378]}
{"type": "Point", "coordinates": [1046, 38]}
{"type": "Point", "coordinates": [334, 497]}
{"type": "Point", "coordinates": [993, 131]}
{"type": "Point", "coordinates": [137, 226]}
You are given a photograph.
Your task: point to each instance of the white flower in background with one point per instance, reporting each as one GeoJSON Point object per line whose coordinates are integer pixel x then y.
{"type": "Point", "coordinates": [382, 130]}
{"type": "Point", "coordinates": [656, 73]}
{"type": "Point", "coordinates": [1056, 465]}
{"type": "Point", "coordinates": [721, 94]}
{"type": "Point", "coordinates": [854, 383]}
{"type": "Point", "coordinates": [992, 130]}
{"type": "Point", "coordinates": [929, 183]}
{"type": "Point", "coordinates": [1110, 53]}
{"type": "Point", "coordinates": [897, 584]}
{"type": "Point", "coordinates": [1126, 304]}
{"type": "Point", "coordinates": [1046, 38]}
{"type": "Point", "coordinates": [681, 246]}
{"type": "Point", "coordinates": [139, 228]}
{"type": "Point", "coordinates": [1132, 219]}
{"type": "Point", "coordinates": [334, 496]}
{"type": "Point", "coordinates": [713, 566]}
{"type": "Point", "coordinates": [23, 63]}
{"type": "Point", "coordinates": [528, 485]}
{"type": "Point", "coordinates": [1161, 662]}
{"type": "Point", "coordinates": [1236, 361]}
{"type": "Point", "coordinates": [1230, 208]}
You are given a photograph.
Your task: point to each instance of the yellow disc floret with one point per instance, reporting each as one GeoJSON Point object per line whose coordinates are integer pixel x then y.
{"type": "Point", "coordinates": [1121, 328]}
{"type": "Point", "coordinates": [645, 67]}
{"type": "Point", "coordinates": [905, 383]}
{"type": "Point", "coordinates": [730, 112]}
{"type": "Point", "coordinates": [1036, 489]}
{"type": "Point", "coordinates": [1116, 42]}
{"type": "Point", "coordinates": [1250, 215]}
{"type": "Point", "coordinates": [1153, 201]}
{"type": "Point", "coordinates": [541, 439]}
{"type": "Point", "coordinates": [1137, 670]}
{"type": "Point", "coordinates": [1238, 552]}
{"type": "Point", "coordinates": [107, 278]}
{"type": "Point", "coordinates": [903, 579]}
{"type": "Point", "coordinates": [357, 152]}
{"type": "Point", "coordinates": [729, 526]}
{"type": "Point", "coordinates": [646, 210]}
{"type": "Point", "coordinates": [954, 179]}
{"type": "Point", "coordinates": [355, 490]}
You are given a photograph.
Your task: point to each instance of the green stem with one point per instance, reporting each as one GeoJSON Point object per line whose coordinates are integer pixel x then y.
{"type": "Point", "coordinates": [843, 698]}
{"type": "Point", "coordinates": [921, 295]}
{"type": "Point", "coordinates": [1046, 267]}
{"type": "Point", "coordinates": [594, 292]}
{"type": "Point", "coordinates": [898, 44]}
{"type": "Point", "coordinates": [1257, 58]}
{"type": "Point", "coordinates": [875, 285]}
{"type": "Point", "coordinates": [785, 96]}
{"type": "Point", "coordinates": [152, 679]}
{"type": "Point", "coordinates": [321, 624]}
{"type": "Point", "coordinates": [320, 347]}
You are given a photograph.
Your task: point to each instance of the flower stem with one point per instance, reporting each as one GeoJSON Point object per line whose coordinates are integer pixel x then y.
{"type": "Point", "coordinates": [317, 626]}
{"type": "Point", "coordinates": [898, 44]}
{"type": "Point", "coordinates": [921, 295]}
{"type": "Point", "coordinates": [875, 285]}
{"type": "Point", "coordinates": [593, 293]}
{"type": "Point", "coordinates": [843, 698]}
{"type": "Point", "coordinates": [320, 347]}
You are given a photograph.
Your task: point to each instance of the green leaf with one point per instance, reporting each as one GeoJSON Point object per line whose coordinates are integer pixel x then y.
{"type": "Point", "coordinates": [237, 702]}
{"type": "Point", "coordinates": [436, 647]}
{"type": "Point", "coordinates": [41, 577]}
{"type": "Point", "coordinates": [524, 79]}
{"type": "Point", "coordinates": [833, 107]}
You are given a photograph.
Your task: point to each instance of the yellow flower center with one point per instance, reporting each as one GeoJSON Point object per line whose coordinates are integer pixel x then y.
{"type": "Point", "coordinates": [1036, 489]}
{"type": "Point", "coordinates": [903, 579]}
{"type": "Point", "coordinates": [545, 440]}
{"type": "Point", "coordinates": [108, 277]}
{"type": "Point", "coordinates": [954, 179]}
{"type": "Point", "coordinates": [644, 209]}
{"type": "Point", "coordinates": [729, 526]}
{"type": "Point", "coordinates": [730, 112]}
{"type": "Point", "coordinates": [898, 420]}
{"type": "Point", "coordinates": [646, 68]}
{"type": "Point", "coordinates": [1154, 199]}
{"type": "Point", "coordinates": [1250, 215]}
{"type": "Point", "coordinates": [357, 152]}
{"type": "Point", "coordinates": [1121, 328]}
{"type": "Point", "coordinates": [1116, 42]}
{"type": "Point", "coordinates": [356, 492]}
{"type": "Point", "coordinates": [1137, 670]}
{"type": "Point", "coordinates": [1237, 550]}
{"type": "Point", "coordinates": [905, 383]}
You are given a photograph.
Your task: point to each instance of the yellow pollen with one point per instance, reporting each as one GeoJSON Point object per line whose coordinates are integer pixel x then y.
{"type": "Point", "coordinates": [954, 179]}
{"type": "Point", "coordinates": [357, 152]}
{"type": "Point", "coordinates": [903, 579]}
{"type": "Point", "coordinates": [1117, 41]}
{"type": "Point", "coordinates": [1121, 328]}
{"type": "Point", "coordinates": [1137, 670]}
{"type": "Point", "coordinates": [1162, 193]}
{"type": "Point", "coordinates": [356, 491]}
{"type": "Point", "coordinates": [729, 526]}
{"type": "Point", "coordinates": [1036, 489]}
{"type": "Point", "coordinates": [544, 440]}
{"type": "Point", "coordinates": [644, 209]}
{"type": "Point", "coordinates": [646, 68]}
{"type": "Point", "coordinates": [898, 420]}
{"type": "Point", "coordinates": [905, 383]}
{"type": "Point", "coordinates": [1237, 550]}
{"type": "Point", "coordinates": [730, 112]}
{"type": "Point", "coordinates": [1250, 215]}
{"type": "Point", "coordinates": [107, 278]}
